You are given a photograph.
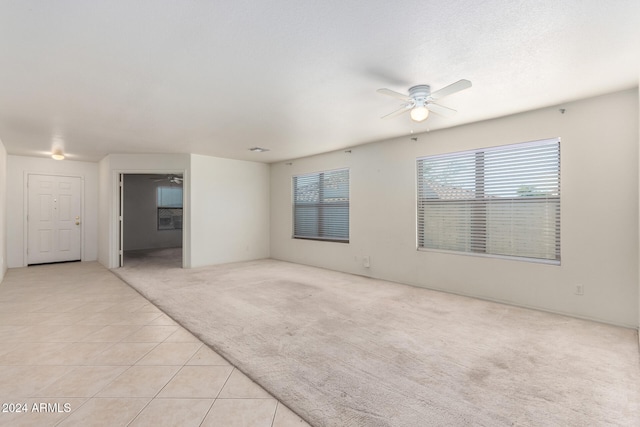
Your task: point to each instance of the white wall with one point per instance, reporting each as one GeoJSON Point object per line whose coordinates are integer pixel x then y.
{"type": "Point", "coordinates": [229, 210]}
{"type": "Point", "coordinates": [141, 215]}
{"type": "Point", "coordinates": [17, 167]}
{"type": "Point", "coordinates": [105, 196]}
{"type": "Point", "coordinates": [3, 210]}
{"type": "Point", "coordinates": [600, 200]}
{"type": "Point", "coordinates": [109, 169]}
{"type": "Point", "coordinates": [226, 206]}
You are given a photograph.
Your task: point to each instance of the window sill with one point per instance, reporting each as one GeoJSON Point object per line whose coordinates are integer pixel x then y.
{"type": "Point", "coordinates": [502, 257]}
{"type": "Point", "coordinates": [320, 239]}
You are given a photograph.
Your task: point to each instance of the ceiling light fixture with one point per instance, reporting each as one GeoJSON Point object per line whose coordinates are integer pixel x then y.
{"type": "Point", "coordinates": [420, 100]}
{"type": "Point", "coordinates": [57, 155]}
{"type": "Point", "coordinates": [419, 113]}
{"type": "Point", "coordinates": [258, 149]}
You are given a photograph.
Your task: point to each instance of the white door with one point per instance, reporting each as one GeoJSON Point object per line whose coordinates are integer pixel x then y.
{"type": "Point", "coordinates": [54, 230]}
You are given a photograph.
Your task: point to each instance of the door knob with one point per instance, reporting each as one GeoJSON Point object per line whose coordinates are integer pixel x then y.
{"type": "Point", "coordinates": [77, 220]}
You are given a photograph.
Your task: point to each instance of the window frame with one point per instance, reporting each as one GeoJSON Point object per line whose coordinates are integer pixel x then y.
{"type": "Point", "coordinates": [321, 207]}
{"type": "Point", "coordinates": [479, 218]}
{"type": "Point", "coordinates": [176, 211]}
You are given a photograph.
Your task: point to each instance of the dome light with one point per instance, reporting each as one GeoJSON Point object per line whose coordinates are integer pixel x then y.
{"type": "Point", "coordinates": [419, 113]}
{"type": "Point", "coordinates": [57, 155]}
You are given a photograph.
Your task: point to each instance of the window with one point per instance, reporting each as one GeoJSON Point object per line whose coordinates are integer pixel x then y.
{"type": "Point", "coordinates": [321, 206]}
{"type": "Point", "coordinates": [169, 202]}
{"type": "Point", "coordinates": [499, 201]}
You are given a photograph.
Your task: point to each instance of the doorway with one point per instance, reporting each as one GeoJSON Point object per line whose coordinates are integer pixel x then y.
{"type": "Point", "coordinates": [54, 218]}
{"type": "Point", "coordinates": [151, 218]}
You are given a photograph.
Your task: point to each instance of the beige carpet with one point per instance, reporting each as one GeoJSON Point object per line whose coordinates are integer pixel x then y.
{"type": "Point", "coordinates": [343, 350]}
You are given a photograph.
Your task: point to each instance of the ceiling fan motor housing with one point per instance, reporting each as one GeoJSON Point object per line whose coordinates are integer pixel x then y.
{"type": "Point", "coordinates": [420, 94]}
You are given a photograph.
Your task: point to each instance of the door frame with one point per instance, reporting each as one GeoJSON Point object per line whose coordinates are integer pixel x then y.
{"type": "Point", "coordinates": [25, 210]}
{"type": "Point", "coordinates": [115, 237]}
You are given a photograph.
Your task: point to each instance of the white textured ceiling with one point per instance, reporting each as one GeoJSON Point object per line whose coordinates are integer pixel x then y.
{"type": "Point", "coordinates": [297, 77]}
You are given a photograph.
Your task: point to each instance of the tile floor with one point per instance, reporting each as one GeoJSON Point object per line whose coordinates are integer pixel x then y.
{"type": "Point", "coordinates": [79, 347]}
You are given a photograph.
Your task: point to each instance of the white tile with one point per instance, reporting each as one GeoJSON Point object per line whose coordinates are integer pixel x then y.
{"type": "Point", "coordinates": [197, 382]}
{"type": "Point", "coordinates": [182, 335]}
{"type": "Point", "coordinates": [241, 413]}
{"type": "Point", "coordinates": [170, 354]}
{"type": "Point", "coordinates": [285, 417]}
{"type": "Point", "coordinates": [83, 381]}
{"type": "Point", "coordinates": [206, 356]}
{"type": "Point", "coordinates": [152, 333]}
{"type": "Point", "coordinates": [122, 354]}
{"type": "Point", "coordinates": [111, 333]}
{"type": "Point", "coordinates": [105, 412]}
{"type": "Point", "coordinates": [173, 413]}
{"type": "Point", "coordinates": [240, 386]}
{"type": "Point", "coordinates": [140, 381]}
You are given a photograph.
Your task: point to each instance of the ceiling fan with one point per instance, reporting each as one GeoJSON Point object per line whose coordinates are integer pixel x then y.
{"type": "Point", "coordinates": [420, 100]}
{"type": "Point", "coordinates": [173, 179]}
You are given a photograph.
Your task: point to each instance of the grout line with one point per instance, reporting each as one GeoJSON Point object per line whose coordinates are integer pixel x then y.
{"type": "Point", "coordinates": [167, 383]}
{"type": "Point", "coordinates": [72, 412]}
{"type": "Point", "coordinates": [273, 420]}
{"type": "Point", "coordinates": [139, 412]}
{"type": "Point", "coordinates": [218, 394]}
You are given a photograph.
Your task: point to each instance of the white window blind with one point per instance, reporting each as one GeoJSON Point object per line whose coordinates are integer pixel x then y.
{"type": "Point", "coordinates": [499, 201]}
{"type": "Point", "coordinates": [169, 197]}
{"type": "Point", "coordinates": [321, 206]}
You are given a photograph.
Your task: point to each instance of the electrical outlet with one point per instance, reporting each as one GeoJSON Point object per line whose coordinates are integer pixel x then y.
{"type": "Point", "coordinates": [366, 262]}
{"type": "Point", "coordinates": [579, 289]}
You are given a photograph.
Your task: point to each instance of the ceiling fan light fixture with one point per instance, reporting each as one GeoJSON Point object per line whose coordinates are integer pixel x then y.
{"type": "Point", "coordinates": [419, 113]}
{"type": "Point", "coordinates": [421, 100]}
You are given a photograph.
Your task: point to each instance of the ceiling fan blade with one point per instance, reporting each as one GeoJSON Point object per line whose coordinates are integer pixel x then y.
{"type": "Point", "coordinates": [394, 94]}
{"type": "Point", "coordinates": [452, 88]}
{"type": "Point", "coordinates": [404, 109]}
{"type": "Point", "coordinates": [441, 110]}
